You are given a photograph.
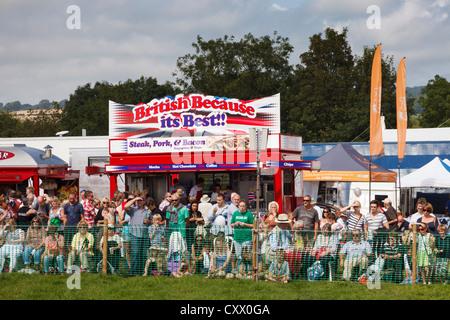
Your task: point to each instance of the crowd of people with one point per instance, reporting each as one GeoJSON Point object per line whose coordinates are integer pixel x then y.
{"type": "Point", "coordinates": [217, 236]}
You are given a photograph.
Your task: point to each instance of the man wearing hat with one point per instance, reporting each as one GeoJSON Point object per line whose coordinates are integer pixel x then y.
{"type": "Point", "coordinates": [205, 207]}
{"type": "Point", "coordinates": [280, 235]}
{"type": "Point", "coordinates": [390, 213]}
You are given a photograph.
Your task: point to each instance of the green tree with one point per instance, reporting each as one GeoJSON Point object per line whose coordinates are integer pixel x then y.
{"type": "Point", "coordinates": [245, 69]}
{"type": "Point", "coordinates": [322, 90]}
{"type": "Point", "coordinates": [10, 125]}
{"type": "Point", "coordinates": [435, 101]}
{"type": "Point", "coordinates": [358, 114]}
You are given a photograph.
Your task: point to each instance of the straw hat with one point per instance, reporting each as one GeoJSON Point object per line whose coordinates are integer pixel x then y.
{"type": "Point", "coordinates": [205, 198]}
{"type": "Point", "coordinates": [180, 192]}
{"type": "Point", "coordinates": [283, 218]}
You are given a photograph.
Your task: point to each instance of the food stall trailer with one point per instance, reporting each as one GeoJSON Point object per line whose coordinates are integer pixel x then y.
{"type": "Point", "coordinates": [22, 166]}
{"type": "Point", "coordinates": [199, 136]}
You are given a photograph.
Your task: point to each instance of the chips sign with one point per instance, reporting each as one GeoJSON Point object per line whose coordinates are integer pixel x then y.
{"type": "Point", "coordinates": [6, 155]}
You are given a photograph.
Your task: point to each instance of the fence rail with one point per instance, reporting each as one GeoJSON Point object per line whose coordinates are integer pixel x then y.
{"type": "Point", "coordinates": [277, 254]}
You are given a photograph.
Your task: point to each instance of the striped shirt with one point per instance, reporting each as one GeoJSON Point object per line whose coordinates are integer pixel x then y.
{"type": "Point", "coordinates": [374, 223]}
{"type": "Point", "coordinates": [354, 222]}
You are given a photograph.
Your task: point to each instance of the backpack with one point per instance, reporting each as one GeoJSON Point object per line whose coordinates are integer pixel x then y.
{"type": "Point", "coordinates": [315, 271]}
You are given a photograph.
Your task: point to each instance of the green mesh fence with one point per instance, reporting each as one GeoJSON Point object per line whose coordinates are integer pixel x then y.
{"type": "Point", "coordinates": [278, 254]}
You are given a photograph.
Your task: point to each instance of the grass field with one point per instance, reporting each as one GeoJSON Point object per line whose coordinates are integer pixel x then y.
{"type": "Point", "coordinates": [17, 286]}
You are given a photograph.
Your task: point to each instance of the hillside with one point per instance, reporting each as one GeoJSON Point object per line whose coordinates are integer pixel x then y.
{"type": "Point", "coordinates": [414, 92]}
{"type": "Point", "coordinates": [17, 106]}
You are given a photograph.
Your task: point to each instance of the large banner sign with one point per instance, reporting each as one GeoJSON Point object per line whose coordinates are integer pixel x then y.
{"type": "Point", "coordinates": [195, 115]}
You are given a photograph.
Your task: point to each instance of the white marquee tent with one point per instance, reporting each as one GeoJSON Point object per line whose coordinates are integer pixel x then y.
{"type": "Point", "coordinates": [435, 174]}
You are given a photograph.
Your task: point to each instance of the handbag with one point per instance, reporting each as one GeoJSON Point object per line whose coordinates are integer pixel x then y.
{"type": "Point", "coordinates": [315, 271]}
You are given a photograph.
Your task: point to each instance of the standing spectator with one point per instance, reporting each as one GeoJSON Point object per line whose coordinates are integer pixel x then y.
{"type": "Point", "coordinates": [176, 216]}
{"type": "Point", "coordinates": [390, 213]}
{"type": "Point", "coordinates": [421, 202]}
{"type": "Point", "coordinates": [242, 223]}
{"type": "Point", "coordinates": [183, 197]}
{"type": "Point", "coordinates": [14, 203]}
{"type": "Point", "coordinates": [138, 234]}
{"type": "Point", "coordinates": [219, 209]}
{"type": "Point", "coordinates": [355, 219]}
{"type": "Point", "coordinates": [73, 214]}
{"type": "Point", "coordinates": [97, 204]}
{"type": "Point", "coordinates": [309, 215]}
{"type": "Point", "coordinates": [356, 253]}
{"type": "Point", "coordinates": [41, 209]}
{"type": "Point", "coordinates": [82, 197]}
{"type": "Point", "coordinates": [195, 218]}
{"type": "Point", "coordinates": [272, 215]}
{"type": "Point", "coordinates": [430, 220]}
{"type": "Point", "coordinates": [153, 209]}
{"type": "Point", "coordinates": [89, 209]}
{"type": "Point", "coordinates": [165, 202]}
{"type": "Point", "coordinates": [23, 217]}
{"type": "Point", "coordinates": [54, 250]}
{"type": "Point", "coordinates": [34, 243]}
{"type": "Point", "coordinates": [5, 213]}
{"type": "Point", "coordinates": [13, 247]}
{"type": "Point", "coordinates": [205, 207]}
{"type": "Point", "coordinates": [102, 213]}
{"type": "Point", "coordinates": [228, 193]}
{"type": "Point", "coordinates": [377, 227]}
{"type": "Point", "coordinates": [217, 191]}
{"type": "Point", "coordinates": [233, 206]}
{"type": "Point", "coordinates": [56, 215]}
{"type": "Point", "coordinates": [318, 209]}
{"type": "Point", "coordinates": [176, 185]}
{"type": "Point", "coordinates": [197, 190]}
{"type": "Point", "coordinates": [30, 194]}
{"type": "Point", "coordinates": [402, 224]}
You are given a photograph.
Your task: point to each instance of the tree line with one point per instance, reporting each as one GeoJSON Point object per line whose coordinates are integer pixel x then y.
{"type": "Point", "coordinates": [324, 96]}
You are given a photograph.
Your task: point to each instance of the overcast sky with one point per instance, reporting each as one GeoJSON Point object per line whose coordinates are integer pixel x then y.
{"type": "Point", "coordinates": [42, 58]}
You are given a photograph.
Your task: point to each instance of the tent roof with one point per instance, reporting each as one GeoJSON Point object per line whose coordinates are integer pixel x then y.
{"type": "Point", "coordinates": [435, 174]}
{"type": "Point", "coordinates": [344, 163]}
{"type": "Point", "coordinates": [21, 156]}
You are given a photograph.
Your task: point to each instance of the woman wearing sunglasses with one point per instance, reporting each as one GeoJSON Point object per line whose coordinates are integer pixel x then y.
{"type": "Point", "coordinates": [428, 219]}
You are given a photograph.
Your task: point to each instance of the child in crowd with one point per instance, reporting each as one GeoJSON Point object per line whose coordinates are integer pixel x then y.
{"type": "Point", "coordinates": [264, 252]}
{"type": "Point", "coordinates": [199, 257]}
{"type": "Point", "coordinates": [156, 251]}
{"type": "Point", "coordinates": [176, 256]}
{"type": "Point", "coordinates": [245, 264]}
{"type": "Point", "coordinates": [279, 269]}
{"type": "Point", "coordinates": [221, 258]}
